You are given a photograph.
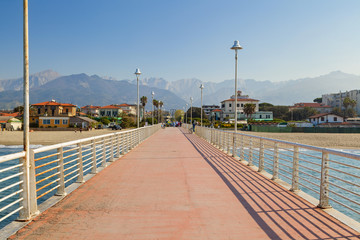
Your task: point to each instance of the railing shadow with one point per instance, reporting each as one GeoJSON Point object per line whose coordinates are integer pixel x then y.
{"type": "Point", "coordinates": [280, 213]}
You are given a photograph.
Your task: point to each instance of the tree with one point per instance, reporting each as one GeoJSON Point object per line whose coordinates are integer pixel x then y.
{"type": "Point", "coordinates": [178, 114]}
{"type": "Point", "coordinates": [19, 109]}
{"type": "Point", "coordinates": [249, 109]}
{"type": "Point", "coordinates": [265, 106]}
{"type": "Point", "coordinates": [318, 100]}
{"type": "Point", "coordinates": [143, 101]}
{"type": "Point", "coordinates": [160, 105]}
{"type": "Point", "coordinates": [349, 105]}
{"type": "Point", "coordinates": [196, 112]}
{"type": "Point", "coordinates": [301, 114]}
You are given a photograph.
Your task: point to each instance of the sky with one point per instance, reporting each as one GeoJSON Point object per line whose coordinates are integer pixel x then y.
{"type": "Point", "coordinates": [281, 39]}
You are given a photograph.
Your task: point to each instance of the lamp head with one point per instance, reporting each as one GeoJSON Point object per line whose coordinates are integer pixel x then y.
{"type": "Point", "coordinates": [137, 72]}
{"type": "Point", "coordinates": [201, 86]}
{"type": "Point", "coordinates": [152, 93]}
{"type": "Point", "coordinates": [236, 45]}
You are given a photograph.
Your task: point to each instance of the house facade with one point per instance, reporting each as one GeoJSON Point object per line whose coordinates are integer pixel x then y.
{"type": "Point", "coordinates": [91, 110]}
{"type": "Point", "coordinates": [209, 108]}
{"type": "Point", "coordinates": [336, 99]}
{"type": "Point", "coordinates": [228, 106]}
{"type": "Point", "coordinates": [51, 114]}
{"type": "Point", "coordinates": [325, 118]}
{"type": "Point", "coordinates": [110, 111]}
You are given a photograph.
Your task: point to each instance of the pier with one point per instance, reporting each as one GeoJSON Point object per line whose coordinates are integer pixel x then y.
{"type": "Point", "coordinates": [177, 185]}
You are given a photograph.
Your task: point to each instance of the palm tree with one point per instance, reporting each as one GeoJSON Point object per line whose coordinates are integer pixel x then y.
{"type": "Point", "coordinates": [160, 105]}
{"type": "Point", "coordinates": [143, 101]}
{"type": "Point", "coordinates": [249, 109]}
{"type": "Point", "coordinates": [155, 103]}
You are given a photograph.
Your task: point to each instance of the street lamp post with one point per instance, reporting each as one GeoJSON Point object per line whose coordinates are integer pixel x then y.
{"type": "Point", "coordinates": [152, 112]}
{"type": "Point", "coordinates": [236, 47]}
{"type": "Point", "coordinates": [201, 87]}
{"type": "Point", "coordinates": [186, 113]}
{"type": "Point", "coordinates": [191, 99]}
{"type": "Point", "coordinates": [137, 73]}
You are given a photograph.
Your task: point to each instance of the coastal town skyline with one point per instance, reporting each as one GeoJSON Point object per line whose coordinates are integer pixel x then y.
{"type": "Point", "coordinates": [281, 40]}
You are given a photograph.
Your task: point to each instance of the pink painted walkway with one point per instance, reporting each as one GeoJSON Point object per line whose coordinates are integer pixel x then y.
{"type": "Point", "coordinates": [177, 186]}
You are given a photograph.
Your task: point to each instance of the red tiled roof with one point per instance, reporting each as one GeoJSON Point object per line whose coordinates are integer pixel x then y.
{"type": "Point", "coordinates": [90, 106]}
{"type": "Point", "coordinates": [216, 110]}
{"type": "Point", "coordinates": [52, 103]}
{"type": "Point", "coordinates": [124, 105]}
{"type": "Point", "coordinates": [322, 115]}
{"type": "Point", "coordinates": [110, 106]}
{"type": "Point", "coordinates": [10, 114]}
{"type": "Point", "coordinates": [242, 100]}
{"type": "Point", "coordinates": [313, 105]}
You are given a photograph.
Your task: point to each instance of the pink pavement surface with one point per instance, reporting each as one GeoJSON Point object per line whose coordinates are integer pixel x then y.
{"type": "Point", "coordinates": [176, 186]}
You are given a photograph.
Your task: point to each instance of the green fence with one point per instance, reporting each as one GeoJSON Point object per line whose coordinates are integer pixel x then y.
{"type": "Point", "coordinates": [256, 128]}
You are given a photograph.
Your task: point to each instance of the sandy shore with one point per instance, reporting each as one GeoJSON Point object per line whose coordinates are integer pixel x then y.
{"type": "Point", "coordinates": [48, 137]}
{"type": "Point", "coordinates": [328, 140]}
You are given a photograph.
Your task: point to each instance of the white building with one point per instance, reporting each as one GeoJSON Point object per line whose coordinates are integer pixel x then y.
{"type": "Point", "coordinates": [209, 108]}
{"type": "Point", "coordinates": [336, 99]}
{"type": "Point", "coordinates": [325, 118]}
{"type": "Point", "coordinates": [228, 106]}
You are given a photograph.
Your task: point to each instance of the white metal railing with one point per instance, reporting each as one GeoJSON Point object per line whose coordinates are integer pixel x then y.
{"type": "Point", "coordinates": [331, 176]}
{"type": "Point", "coordinates": [23, 186]}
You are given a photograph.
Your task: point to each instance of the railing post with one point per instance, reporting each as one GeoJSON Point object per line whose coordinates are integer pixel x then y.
{"type": "Point", "coordinates": [112, 149]}
{"type": "Point", "coordinates": [103, 161]}
{"type": "Point", "coordinates": [93, 169]}
{"type": "Point", "coordinates": [33, 194]}
{"type": "Point", "coordinates": [118, 145]}
{"type": "Point", "coordinates": [276, 162]}
{"type": "Point", "coordinates": [228, 143]}
{"type": "Point", "coordinates": [24, 213]}
{"type": "Point", "coordinates": [234, 145]}
{"type": "Point", "coordinates": [295, 172]}
{"type": "Point", "coordinates": [242, 155]}
{"type": "Point", "coordinates": [61, 188]}
{"type": "Point", "coordinates": [324, 185]}
{"type": "Point", "coordinates": [80, 178]}
{"type": "Point", "coordinates": [261, 156]}
{"type": "Point", "coordinates": [250, 162]}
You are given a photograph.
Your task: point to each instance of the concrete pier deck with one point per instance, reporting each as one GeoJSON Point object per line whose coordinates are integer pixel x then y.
{"type": "Point", "coordinates": [175, 185]}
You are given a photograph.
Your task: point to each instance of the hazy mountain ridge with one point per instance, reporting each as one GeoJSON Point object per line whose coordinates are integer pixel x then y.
{"type": "Point", "coordinates": [81, 90]}
{"type": "Point", "coordinates": [35, 80]}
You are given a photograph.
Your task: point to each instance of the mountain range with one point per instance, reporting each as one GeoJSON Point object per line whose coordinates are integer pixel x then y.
{"type": "Point", "coordinates": [81, 89]}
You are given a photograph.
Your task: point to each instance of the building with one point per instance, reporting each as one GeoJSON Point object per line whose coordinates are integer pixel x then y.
{"type": "Point", "coordinates": [209, 108]}
{"type": "Point", "coordinates": [91, 110]}
{"type": "Point", "coordinates": [128, 108]}
{"type": "Point", "coordinates": [322, 118]}
{"type": "Point", "coordinates": [336, 99]}
{"type": "Point", "coordinates": [216, 114]}
{"type": "Point", "coordinates": [320, 107]}
{"type": "Point", "coordinates": [228, 109]}
{"type": "Point", "coordinates": [83, 122]}
{"type": "Point", "coordinates": [51, 114]}
{"type": "Point", "coordinates": [110, 111]}
{"type": "Point", "coordinates": [10, 123]}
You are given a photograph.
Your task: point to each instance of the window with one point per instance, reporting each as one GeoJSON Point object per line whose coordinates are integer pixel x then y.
{"type": "Point", "coordinates": [39, 109]}
{"type": "Point", "coordinates": [322, 119]}
{"type": "Point", "coordinates": [46, 121]}
{"type": "Point", "coordinates": [67, 110]}
{"type": "Point", "coordinates": [242, 105]}
{"type": "Point", "coordinates": [260, 116]}
{"type": "Point", "coordinates": [335, 119]}
{"type": "Point", "coordinates": [102, 113]}
{"type": "Point", "coordinates": [229, 104]}
{"type": "Point", "coordinates": [65, 122]}
{"type": "Point", "coordinates": [108, 113]}
{"type": "Point", "coordinates": [57, 121]}
{"type": "Point", "coordinates": [222, 105]}
{"type": "Point", "coordinates": [238, 105]}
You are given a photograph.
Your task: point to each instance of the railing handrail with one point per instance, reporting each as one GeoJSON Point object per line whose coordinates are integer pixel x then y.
{"type": "Point", "coordinates": [12, 156]}
{"type": "Point", "coordinates": [65, 144]}
{"type": "Point", "coordinates": [309, 147]}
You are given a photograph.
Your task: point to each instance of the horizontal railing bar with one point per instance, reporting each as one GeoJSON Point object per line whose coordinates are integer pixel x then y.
{"type": "Point", "coordinates": [311, 169]}
{"type": "Point", "coordinates": [285, 176]}
{"type": "Point", "coordinates": [346, 190]}
{"type": "Point", "coordinates": [312, 163]}
{"type": "Point", "coordinates": [84, 166]}
{"type": "Point", "coordinates": [71, 155]}
{"type": "Point", "coordinates": [12, 194]}
{"type": "Point", "coordinates": [46, 178]}
{"type": "Point", "coordinates": [76, 170]}
{"type": "Point", "coordinates": [71, 167]}
{"type": "Point", "coordinates": [71, 149]}
{"type": "Point", "coordinates": [307, 174]}
{"type": "Point", "coordinates": [12, 156]}
{"type": "Point", "coordinates": [11, 176]}
{"type": "Point", "coordinates": [302, 153]}
{"type": "Point", "coordinates": [87, 169]}
{"type": "Point", "coordinates": [48, 184]}
{"type": "Point", "coordinates": [11, 213]}
{"type": "Point", "coordinates": [344, 205]}
{"type": "Point", "coordinates": [87, 154]}
{"type": "Point", "coordinates": [316, 185]}
{"type": "Point", "coordinates": [340, 179]}
{"type": "Point", "coordinates": [48, 191]}
{"type": "Point", "coordinates": [10, 186]}
{"type": "Point", "coordinates": [11, 204]}
{"type": "Point", "coordinates": [48, 163]}
{"type": "Point", "coordinates": [74, 160]}
{"type": "Point", "coordinates": [46, 171]}
{"type": "Point", "coordinates": [309, 188]}
{"type": "Point", "coordinates": [71, 178]}
{"type": "Point", "coordinates": [47, 156]}
{"type": "Point", "coordinates": [12, 167]}
{"type": "Point", "coordinates": [349, 174]}
{"type": "Point", "coordinates": [344, 164]}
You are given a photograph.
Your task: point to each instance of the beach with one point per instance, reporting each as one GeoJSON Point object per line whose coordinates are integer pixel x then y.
{"type": "Point", "coordinates": [49, 137]}
{"type": "Point", "coordinates": [328, 140]}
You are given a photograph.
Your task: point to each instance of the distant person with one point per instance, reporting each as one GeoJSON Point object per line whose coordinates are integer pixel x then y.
{"type": "Point", "coordinates": [194, 124]}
